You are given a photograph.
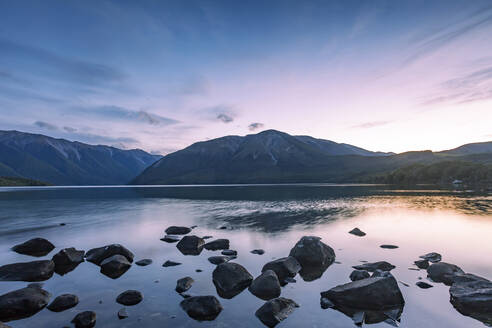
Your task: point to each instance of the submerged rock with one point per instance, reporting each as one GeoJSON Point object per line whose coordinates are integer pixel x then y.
{"type": "Point", "coordinates": [144, 262]}
{"type": "Point", "coordinates": [357, 232]}
{"type": "Point", "coordinates": [97, 255]}
{"type": "Point", "coordinates": [35, 247]}
{"type": "Point", "coordinates": [473, 298]}
{"type": "Point", "coordinates": [23, 303]}
{"type": "Point", "coordinates": [202, 307]}
{"type": "Point", "coordinates": [389, 246]}
{"type": "Point", "coordinates": [191, 245]}
{"type": "Point", "coordinates": [230, 279]}
{"type": "Point", "coordinates": [122, 314]}
{"type": "Point", "coordinates": [229, 252]}
{"type": "Point", "coordinates": [27, 271]}
{"type": "Point", "coordinates": [67, 260]}
{"type": "Point", "coordinates": [444, 272]}
{"type": "Point", "coordinates": [217, 244]}
{"type": "Point", "coordinates": [432, 257]}
{"type": "Point", "coordinates": [170, 264]}
{"type": "Point", "coordinates": [258, 251]}
{"type": "Point", "coordinates": [274, 311]}
{"type": "Point", "coordinates": [266, 286]}
{"type": "Point", "coordinates": [313, 255]}
{"type": "Point", "coordinates": [423, 285]}
{"type": "Point", "coordinates": [63, 302]}
{"type": "Point", "coordinates": [175, 230]}
{"type": "Point", "coordinates": [171, 239]}
{"type": "Point", "coordinates": [422, 264]}
{"type": "Point", "coordinates": [130, 297]}
{"type": "Point", "coordinates": [86, 319]}
{"type": "Point", "coordinates": [220, 259]}
{"type": "Point", "coordinates": [371, 267]}
{"type": "Point", "coordinates": [115, 266]}
{"type": "Point", "coordinates": [183, 284]}
{"type": "Point", "coordinates": [359, 275]}
{"type": "Point", "coordinates": [284, 268]}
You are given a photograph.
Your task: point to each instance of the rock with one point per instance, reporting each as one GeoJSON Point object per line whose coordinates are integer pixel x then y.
{"type": "Point", "coordinates": [183, 284]}
{"type": "Point", "coordinates": [67, 260]}
{"type": "Point", "coordinates": [357, 232]}
{"type": "Point", "coordinates": [130, 297]}
{"type": "Point", "coordinates": [473, 298]}
{"type": "Point", "coordinates": [191, 245]}
{"type": "Point", "coordinates": [63, 302]}
{"type": "Point", "coordinates": [290, 280]}
{"type": "Point", "coordinates": [443, 272]}
{"type": "Point", "coordinates": [207, 237]}
{"type": "Point", "coordinates": [422, 264]}
{"type": "Point", "coordinates": [115, 266]}
{"type": "Point", "coordinates": [257, 251]}
{"type": "Point", "coordinates": [314, 257]}
{"type": "Point", "coordinates": [35, 247]}
{"type": "Point", "coordinates": [27, 271]}
{"type": "Point", "coordinates": [217, 244]}
{"type": "Point", "coordinates": [171, 239]}
{"type": "Point", "coordinates": [266, 286]}
{"type": "Point", "coordinates": [274, 311]}
{"type": "Point", "coordinates": [230, 279]}
{"type": "Point", "coordinates": [198, 270]}
{"type": "Point", "coordinates": [326, 303]}
{"type": "Point", "coordinates": [122, 314]}
{"type": "Point", "coordinates": [389, 246]}
{"type": "Point", "coordinates": [432, 257]}
{"type": "Point", "coordinates": [467, 277]}
{"type": "Point", "coordinates": [229, 252]}
{"type": "Point", "coordinates": [374, 293]}
{"type": "Point", "coordinates": [371, 267]}
{"type": "Point", "coordinates": [23, 303]}
{"type": "Point", "coordinates": [144, 262]}
{"type": "Point", "coordinates": [86, 319]}
{"type": "Point", "coordinates": [284, 267]}
{"type": "Point", "coordinates": [174, 230]}
{"type": "Point", "coordinates": [220, 259]}
{"type": "Point", "coordinates": [202, 307]}
{"type": "Point", "coordinates": [170, 264]}
{"type": "Point", "coordinates": [359, 275]}
{"type": "Point", "coordinates": [97, 255]}
{"type": "Point", "coordinates": [423, 285]}
{"type": "Point", "coordinates": [223, 227]}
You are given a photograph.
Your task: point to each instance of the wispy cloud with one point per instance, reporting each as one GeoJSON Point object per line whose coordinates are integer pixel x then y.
{"type": "Point", "coordinates": [221, 113]}
{"type": "Point", "coordinates": [45, 125]}
{"type": "Point", "coordinates": [225, 118]}
{"type": "Point", "coordinates": [368, 125]}
{"type": "Point", "coordinates": [69, 129]}
{"type": "Point", "coordinates": [255, 126]}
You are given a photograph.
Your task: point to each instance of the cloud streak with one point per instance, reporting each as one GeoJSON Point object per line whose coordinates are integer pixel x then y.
{"type": "Point", "coordinates": [369, 125]}
{"type": "Point", "coordinates": [255, 126]}
{"type": "Point", "coordinates": [124, 114]}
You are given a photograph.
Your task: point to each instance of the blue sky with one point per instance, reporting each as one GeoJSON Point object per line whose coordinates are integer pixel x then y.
{"type": "Point", "coordinates": [160, 75]}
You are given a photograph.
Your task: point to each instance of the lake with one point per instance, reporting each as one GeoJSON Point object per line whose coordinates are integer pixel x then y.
{"type": "Point", "coordinates": [270, 217]}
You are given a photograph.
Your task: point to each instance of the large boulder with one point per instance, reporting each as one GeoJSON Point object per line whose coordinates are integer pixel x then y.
{"type": "Point", "coordinates": [371, 267]}
{"type": "Point", "coordinates": [374, 293]}
{"type": "Point", "coordinates": [27, 271]}
{"type": "Point", "coordinates": [274, 311]}
{"type": "Point", "coordinates": [175, 230]}
{"type": "Point", "coordinates": [23, 303]}
{"type": "Point", "coordinates": [183, 284]}
{"type": "Point", "coordinates": [35, 247]}
{"type": "Point", "coordinates": [217, 244]}
{"type": "Point", "coordinates": [86, 319]}
{"type": "Point", "coordinates": [266, 286]}
{"type": "Point", "coordinates": [202, 307]}
{"type": "Point", "coordinates": [444, 272]}
{"type": "Point", "coordinates": [130, 297]}
{"type": "Point", "coordinates": [191, 245]}
{"type": "Point", "coordinates": [63, 302]}
{"type": "Point", "coordinates": [97, 255]}
{"type": "Point", "coordinates": [473, 298]}
{"type": "Point", "coordinates": [286, 267]}
{"type": "Point", "coordinates": [67, 260]}
{"type": "Point", "coordinates": [231, 279]}
{"type": "Point", "coordinates": [115, 266]}
{"type": "Point", "coordinates": [313, 255]}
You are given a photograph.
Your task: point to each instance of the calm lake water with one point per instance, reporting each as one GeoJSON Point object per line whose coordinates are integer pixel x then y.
{"type": "Point", "coordinates": [274, 218]}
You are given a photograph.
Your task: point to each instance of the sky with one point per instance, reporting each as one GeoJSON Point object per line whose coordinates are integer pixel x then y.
{"type": "Point", "coordinates": [161, 75]}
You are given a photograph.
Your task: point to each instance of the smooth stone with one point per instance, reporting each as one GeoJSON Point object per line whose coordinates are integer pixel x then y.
{"type": "Point", "coordinates": [23, 303]}
{"type": "Point", "coordinates": [257, 251]}
{"type": "Point", "coordinates": [144, 262]}
{"type": "Point", "coordinates": [266, 286]}
{"type": "Point", "coordinates": [27, 271]}
{"type": "Point", "coordinates": [171, 239]}
{"type": "Point", "coordinates": [115, 266]}
{"type": "Point", "coordinates": [86, 319]}
{"type": "Point", "coordinates": [284, 267]}
{"type": "Point", "coordinates": [220, 259]}
{"type": "Point", "coordinates": [130, 297]}
{"type": "Point", "coordinates": [203, 308]}
{"type": "Point", "coordinates": [183, 284]}
{"type": "Point", "coordinates": [313, 255]}
{"type": "Point", "coordinates": [217, 244]}
{"type": "Point", "coordinates": [473, 298]}
{"type": "Point", "coordinates": [432, 257]}
{"type": "Point", "coordinates": [98, 255]}
{"type": "Point", "coordinates": [229, 252]}
{"type": "Point", "coordinates": [423, 285]}
{"type": "Point", "coordinates": [422, 264]}
{"type": "Point", "coordinates": [67, 260]}
{"type": "Point", "coordinates": [371, 267]}
{"type": "Point", "coordinates": [191, 245]}
{"type": "Point", "coordinates": [207, 237]}
{"type": "Point", "coordinates": [276, 310]}
{"type": "Point", "coordinates": [230, 279]}
{"type": "Point", "coordinates": [443, 272]}
{"type": "Point", "coordinates": [34, 247]}
{"type": "Point", "coordinates": [223, 227]}
{"type": "Point", "coordinates": [198, 270]}
{"type": "Point", "coordinates": [175, 230]}
{"type": "Point", "coordinates": [388, 246]}
{"type": "Point", "coordinates": [63, 302]}
{"type": "Point", "coordinates": [122, 314]}
{"type": "Point", "coordinates": [357, 232]}
{"type": "Point", "coordinates": [170, 264]}
{"type": "Point", "coordinates": [359, 275]}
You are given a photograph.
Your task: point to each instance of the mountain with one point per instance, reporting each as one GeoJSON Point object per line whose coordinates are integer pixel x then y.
{"type": "Point", "coordinates": [471, 148]}
{"type": "Point", "coordinates": [63, 162]}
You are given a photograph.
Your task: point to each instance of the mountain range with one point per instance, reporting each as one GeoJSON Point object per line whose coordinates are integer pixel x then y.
{"type": "Point", "coordinates": [63, 162]}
